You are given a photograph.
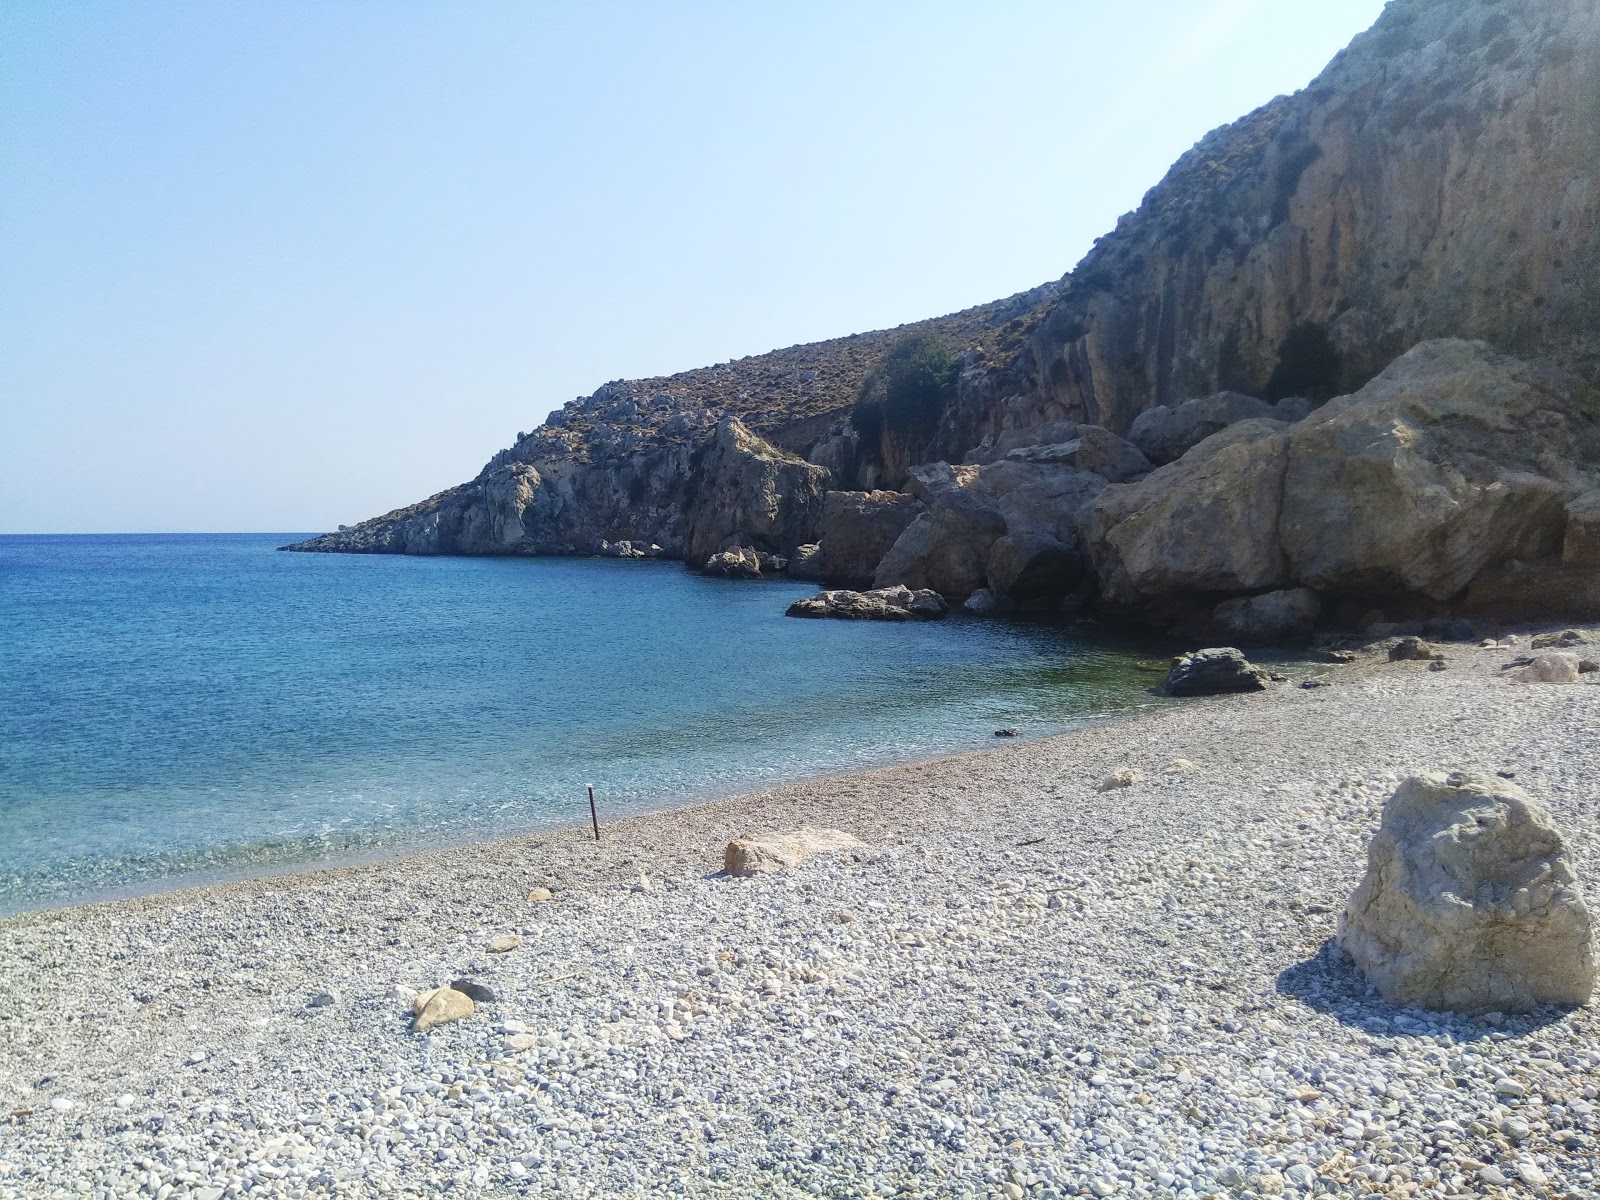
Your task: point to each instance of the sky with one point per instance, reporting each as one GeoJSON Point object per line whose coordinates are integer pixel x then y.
{"type": "Point", "coordinates": [284, 266]}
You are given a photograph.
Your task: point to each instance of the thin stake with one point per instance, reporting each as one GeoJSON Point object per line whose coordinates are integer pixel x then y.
{"type": "Point", "coordinates": [594, 816]}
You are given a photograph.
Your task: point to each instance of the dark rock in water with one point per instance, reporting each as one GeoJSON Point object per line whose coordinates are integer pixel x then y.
{"type": "Point", "coordinates": [480, 993]}
{"type": "Point", "coordinates": [1211, 672]}
{"type": "Point", "coordinates": [1413, 649]}
{"type": "Point", "coordinates": [1318, 682]}
{"type": "Point", "coordinates": [884, 604]}
{"type": "Point", "coordinates": [1008, 733]}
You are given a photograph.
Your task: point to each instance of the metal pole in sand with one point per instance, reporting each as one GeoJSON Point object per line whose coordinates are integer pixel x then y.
{"type": "Point", "coordinates": [593, 816]}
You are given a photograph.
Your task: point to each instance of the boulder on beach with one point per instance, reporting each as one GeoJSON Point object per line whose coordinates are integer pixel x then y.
{"type": "Point", "coordinates": [1413, 649]}
{"type": "Point", "coordinates": [440, 1006]}
{"type": "Point", "coordinates": [946, 548]}
{"type": "Point", "coordinates": [882, 604]}
{"type": "Point", "coordinates": [1559, 666]}
{"type": "Point", "coordinates": [1469, 902]}
{"type": "Point", "coordinates": [1214, 671]}
{"type": "Point", "coordinates": [780, 851]}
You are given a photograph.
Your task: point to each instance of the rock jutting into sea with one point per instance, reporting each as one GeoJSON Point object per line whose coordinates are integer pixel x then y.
{"type": "Point", "coordinates": [1340, 367]}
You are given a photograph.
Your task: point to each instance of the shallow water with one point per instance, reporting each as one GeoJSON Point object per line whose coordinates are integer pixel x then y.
{"type": "Point", "coordinates": [176, 708]}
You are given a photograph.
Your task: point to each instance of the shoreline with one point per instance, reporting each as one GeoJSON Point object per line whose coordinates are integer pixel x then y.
{"type": "Point", "coordinates": [1020, 985]}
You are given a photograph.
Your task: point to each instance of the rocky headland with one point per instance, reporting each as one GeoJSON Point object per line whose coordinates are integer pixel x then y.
{"type": "Point", "coordinates": [1339, 368]}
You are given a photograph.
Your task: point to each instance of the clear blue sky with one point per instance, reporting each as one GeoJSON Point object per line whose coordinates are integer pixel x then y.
{"type": "Point", "coordinates": [277, 266]}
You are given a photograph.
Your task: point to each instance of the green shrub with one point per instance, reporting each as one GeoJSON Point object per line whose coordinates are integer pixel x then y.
{"type": "Point", "coordinates": [906, 394]}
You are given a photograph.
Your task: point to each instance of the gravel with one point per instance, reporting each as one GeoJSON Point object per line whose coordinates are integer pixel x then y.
{"type": "Point", "coordinates": [1021, 986]}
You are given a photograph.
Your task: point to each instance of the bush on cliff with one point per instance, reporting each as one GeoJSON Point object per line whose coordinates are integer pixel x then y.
{"type": "Point", "coordinates": [904, 396]}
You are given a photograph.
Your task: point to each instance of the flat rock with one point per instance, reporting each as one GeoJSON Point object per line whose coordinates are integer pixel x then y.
{"type": "Point", "coordinates": [440, 1006]}
{"type": "Point", "coordinates": [780, 851]}
{"type": "Point", "coordinates": [504, 943]}
{"type": "Point", "coordinates": [881, 604]}
{"type": "Point", "coordinates": [1559, 666]}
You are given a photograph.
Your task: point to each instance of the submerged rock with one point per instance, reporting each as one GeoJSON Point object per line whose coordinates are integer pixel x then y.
{"type": "Point", "coordinates": [1469, 901]}
{"type": "Point", "coordinates": [882, 604]}
{"type": "Point", "coordinates": [1217, 670]}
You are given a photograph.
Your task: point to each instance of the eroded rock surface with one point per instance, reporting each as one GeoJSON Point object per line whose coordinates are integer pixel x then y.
{"type": "Point", "coordinates": [881, 604]}
{"type": "Point", "coordinates": [1469, 901]}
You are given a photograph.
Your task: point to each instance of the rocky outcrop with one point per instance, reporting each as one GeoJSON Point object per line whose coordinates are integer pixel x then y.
{"type": "Point", "coordinates": [747, 488]}
{"type": "Point", "coordinates": [1093, 449]}
{"type": "Point", "coordinates": [1165, 434]}
{"type": "Point", "coordinates": [1469, 902]}
{"type": "Point", "coordinates": [1441, 178]}
{"type": "Point", "coordinates": [1216, 671]}
{"type": "Point", "coordinates": [1207, 523]}
{"type": "Point", "coordinates": [881, 604]}
{"type": "Point", "coordinates": [858, 528]}
{"type": "Point", "coordinates": [742, 562]}
{"type": "Point", "coordinates": [946, 548]}
{"type": "Point", "coordinates": [1454, 460]}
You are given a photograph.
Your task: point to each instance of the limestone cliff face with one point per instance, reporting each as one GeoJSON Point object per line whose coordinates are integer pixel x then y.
{"type": "Point", "coordinates": [1441, 178]}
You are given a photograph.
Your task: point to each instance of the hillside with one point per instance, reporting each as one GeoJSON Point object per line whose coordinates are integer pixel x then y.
{"type": "Point", "coordinates": [1438, 179]}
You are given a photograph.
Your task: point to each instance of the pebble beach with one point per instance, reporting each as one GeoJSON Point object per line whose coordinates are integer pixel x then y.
{"type": "Point", "coordinates": [1020, 985]}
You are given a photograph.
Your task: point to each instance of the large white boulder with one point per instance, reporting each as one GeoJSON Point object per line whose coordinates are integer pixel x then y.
{"type": "Point", "coordinates": [1469, 901]}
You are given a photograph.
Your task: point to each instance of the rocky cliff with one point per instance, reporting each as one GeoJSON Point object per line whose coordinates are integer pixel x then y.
{"type": "Point", "coordinates": [1439, 180]}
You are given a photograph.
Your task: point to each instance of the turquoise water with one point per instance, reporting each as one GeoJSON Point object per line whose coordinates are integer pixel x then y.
{"type": "Point", "coordinates": [177, 708]}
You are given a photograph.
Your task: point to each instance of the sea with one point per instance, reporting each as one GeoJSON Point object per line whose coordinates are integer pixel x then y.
{"type": "Point", "coordinates": [179, 709]}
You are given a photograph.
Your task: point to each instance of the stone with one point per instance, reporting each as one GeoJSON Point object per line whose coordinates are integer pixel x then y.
{"type": "Point", "coordinates": [440, 1006]}
{"type": "Point", "coordinates": [1213, 671]}
{"type": "Point", "coordinates": [1094, 449]}
{"type": "Point", "coordinates": [779, 851]}
{"type": "Point", "coordinates": [479, 993]}
{"type": "Point", "coordinates": [1165, 434]}
{"type": "Point", "coordinates": [504, 943]}
{"type": "Point", "coordinates": [857, 530]}
{"type": "Point", "coordinates": [1281, 618]}
{"type": "Point", "coordinates": [880, 604]}
{"type": "Point", "coordinates": [1005, 733]}
{"type": "Point", "coordinates": [1469, 901]}
{"type": "Point", "coordinates": [1580, 545]}
{"type": "Point", "coordinates": [739, 563]}
{"type": "Point", "coordinates": [1413, 649]}
{"type": "Point", "coordinates": [519, 1043]}
{"type": "Point", "coordinates": [944, 549]}
{"type": "Point", "coordinates": [323, 1000]}
{"type": "Point", "coordinates": [1179, 766]}
{"type": "Point", "coordinates": [1558, 667]}
{"type": "Point", "coordinates": [997, 446]}
{"type": "Point", "coordinates": [1125, 777]}
{"type": "Point", "coordinates": [62, 1104]}
{"type": "Point", "coordinates": [539, 895]}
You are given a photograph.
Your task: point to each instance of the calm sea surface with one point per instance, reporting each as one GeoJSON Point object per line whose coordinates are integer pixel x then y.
{"type": "Point", "coordinates": [176, 708]}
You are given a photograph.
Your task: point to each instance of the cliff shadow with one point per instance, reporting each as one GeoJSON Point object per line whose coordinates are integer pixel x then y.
{"type": "Point", "coordinates": [1330, 983]}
